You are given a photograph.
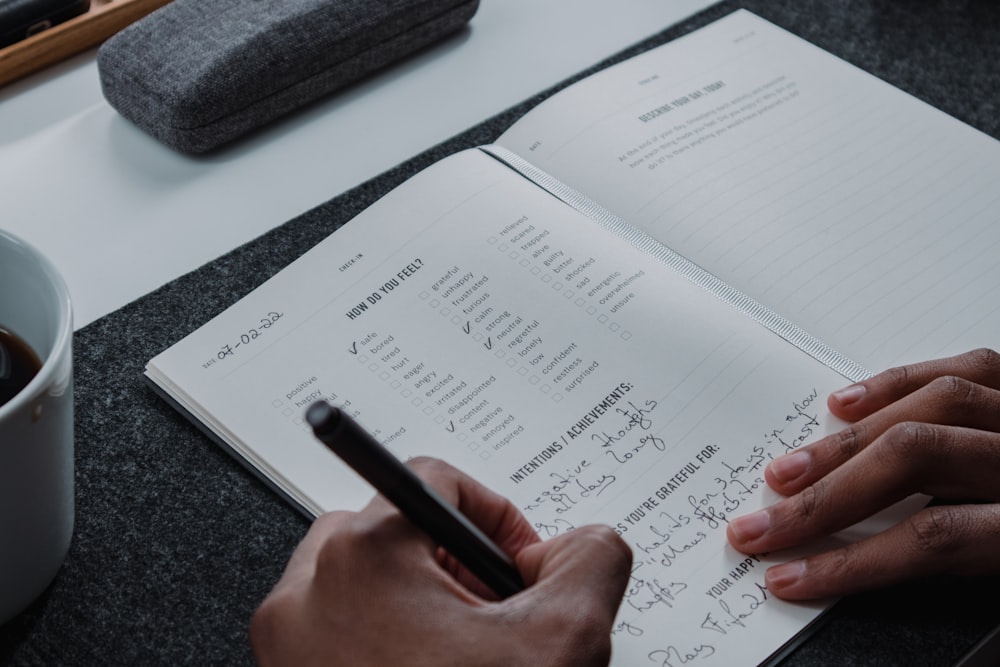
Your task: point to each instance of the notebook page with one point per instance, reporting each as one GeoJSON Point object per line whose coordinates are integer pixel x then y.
{"type": "Point", "coordinates": [471, 316]}
{"type": "Point", "coordinates": [863, 215]}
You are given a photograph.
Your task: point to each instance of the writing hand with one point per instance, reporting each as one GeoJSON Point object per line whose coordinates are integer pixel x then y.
{"type": "Point", "coordinates": [368, 588]}
{"type": "Point", "coordinates": [933, 428]}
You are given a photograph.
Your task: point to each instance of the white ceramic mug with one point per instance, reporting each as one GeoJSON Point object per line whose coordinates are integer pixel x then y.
{"type": "Point", "coordinates": [36, 429]}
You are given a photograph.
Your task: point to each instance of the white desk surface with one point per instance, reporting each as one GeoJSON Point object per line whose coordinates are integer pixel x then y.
{"type": "Point", "coordinates": [121, 214]}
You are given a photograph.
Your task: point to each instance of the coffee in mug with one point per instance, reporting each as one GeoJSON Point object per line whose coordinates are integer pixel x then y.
{"type": "Point", "coordinates": [18, 364]}
{"type": "Point", "coordinates": [36, 424]}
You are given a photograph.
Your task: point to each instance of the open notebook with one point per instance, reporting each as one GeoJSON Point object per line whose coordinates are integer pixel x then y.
{"type": "Point", "coordinates": [624, 308]}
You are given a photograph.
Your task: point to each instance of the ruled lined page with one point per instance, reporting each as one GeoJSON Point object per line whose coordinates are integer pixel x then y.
{"type": "Point", "coordinates": [860, 213]}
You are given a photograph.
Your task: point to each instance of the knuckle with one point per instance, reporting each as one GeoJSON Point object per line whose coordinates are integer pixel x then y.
{"type": "Point", "coordinates": [809, 501]}
{"type": "Point", "coordinates": [959, 396]}
{"type": "Point", "coordinates": [332, 551]}
{"type": "Point", "coordinates": [902, 440]}
{"type": "Point", "coordinates": [934, 531]}
{"type": "Point", "coordinates": [895, 443]}
{"type": "Point", "coordinates": [845, 564]}
{"type": "Point", "coordinates": [848, 441]}
{"type": "Point", "coordinates": [353, 538]}
{"type": "Point", "coordinates": [898, 378]}
{"type": "Point", "coordinates": [841, 561]}
{"type": "Point", "coordinates": [984, 361]}
{"type": "Point", "coordinates": [915, 449]}
{"type": "Point", "coordinates": [952, 389]}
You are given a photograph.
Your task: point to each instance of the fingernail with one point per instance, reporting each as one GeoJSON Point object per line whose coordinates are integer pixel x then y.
{"type": "Point", "coordinates": [786, 574]}
{"type": "Point", "coordinates": [849, 395]}
{"type": "Point", "coordinates": [751, 526]}
{"type": "Point", "coordinates": [790, 466]}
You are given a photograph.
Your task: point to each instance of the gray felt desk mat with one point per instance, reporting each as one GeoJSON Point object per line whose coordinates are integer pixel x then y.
{"type": "Point", "coordinates": [176, 543]}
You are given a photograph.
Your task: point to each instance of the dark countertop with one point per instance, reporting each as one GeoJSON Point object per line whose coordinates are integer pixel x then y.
{"type": "Point", "coordinates": [176, 543]}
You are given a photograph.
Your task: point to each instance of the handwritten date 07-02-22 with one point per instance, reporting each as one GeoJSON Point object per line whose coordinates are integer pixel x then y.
{"type": "Point", "coordinates": [246, 337]}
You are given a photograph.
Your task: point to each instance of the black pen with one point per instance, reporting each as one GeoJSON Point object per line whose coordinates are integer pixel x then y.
{"type": "Point", "coordinates": [448, 527]}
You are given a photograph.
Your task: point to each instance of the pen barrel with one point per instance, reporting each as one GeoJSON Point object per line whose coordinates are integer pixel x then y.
{"type": "Point", "coordinates": [419, 503]}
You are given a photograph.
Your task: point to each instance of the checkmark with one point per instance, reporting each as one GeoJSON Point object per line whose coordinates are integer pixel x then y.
{"type": "Point", "coordinates": [353, 349]}
{"type": "Point", "coordinates": [450, 427]}
{"type": "Point", "coordinates": [467, 327]}
{"type": "Point", "coordinates": [488, 344]}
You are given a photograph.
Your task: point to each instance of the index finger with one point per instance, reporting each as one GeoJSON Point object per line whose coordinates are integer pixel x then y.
{"type": "Point", "coordinates": [864, 398]}
{"type": "Point", "coordinates": [950, 400]}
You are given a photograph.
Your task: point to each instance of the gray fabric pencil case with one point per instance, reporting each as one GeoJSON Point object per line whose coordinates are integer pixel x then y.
{"type": "Point", "coordinates": [197, 74]}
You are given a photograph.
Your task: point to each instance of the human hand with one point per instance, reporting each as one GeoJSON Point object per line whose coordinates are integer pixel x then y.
{"type": "Point", "coordinates": [933, 428]}
{"type": "Point", "coordinates": [369, 588]}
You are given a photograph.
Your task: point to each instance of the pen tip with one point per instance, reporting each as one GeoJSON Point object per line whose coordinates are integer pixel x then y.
{"type": "Point", "coordinates": [321, 416]}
